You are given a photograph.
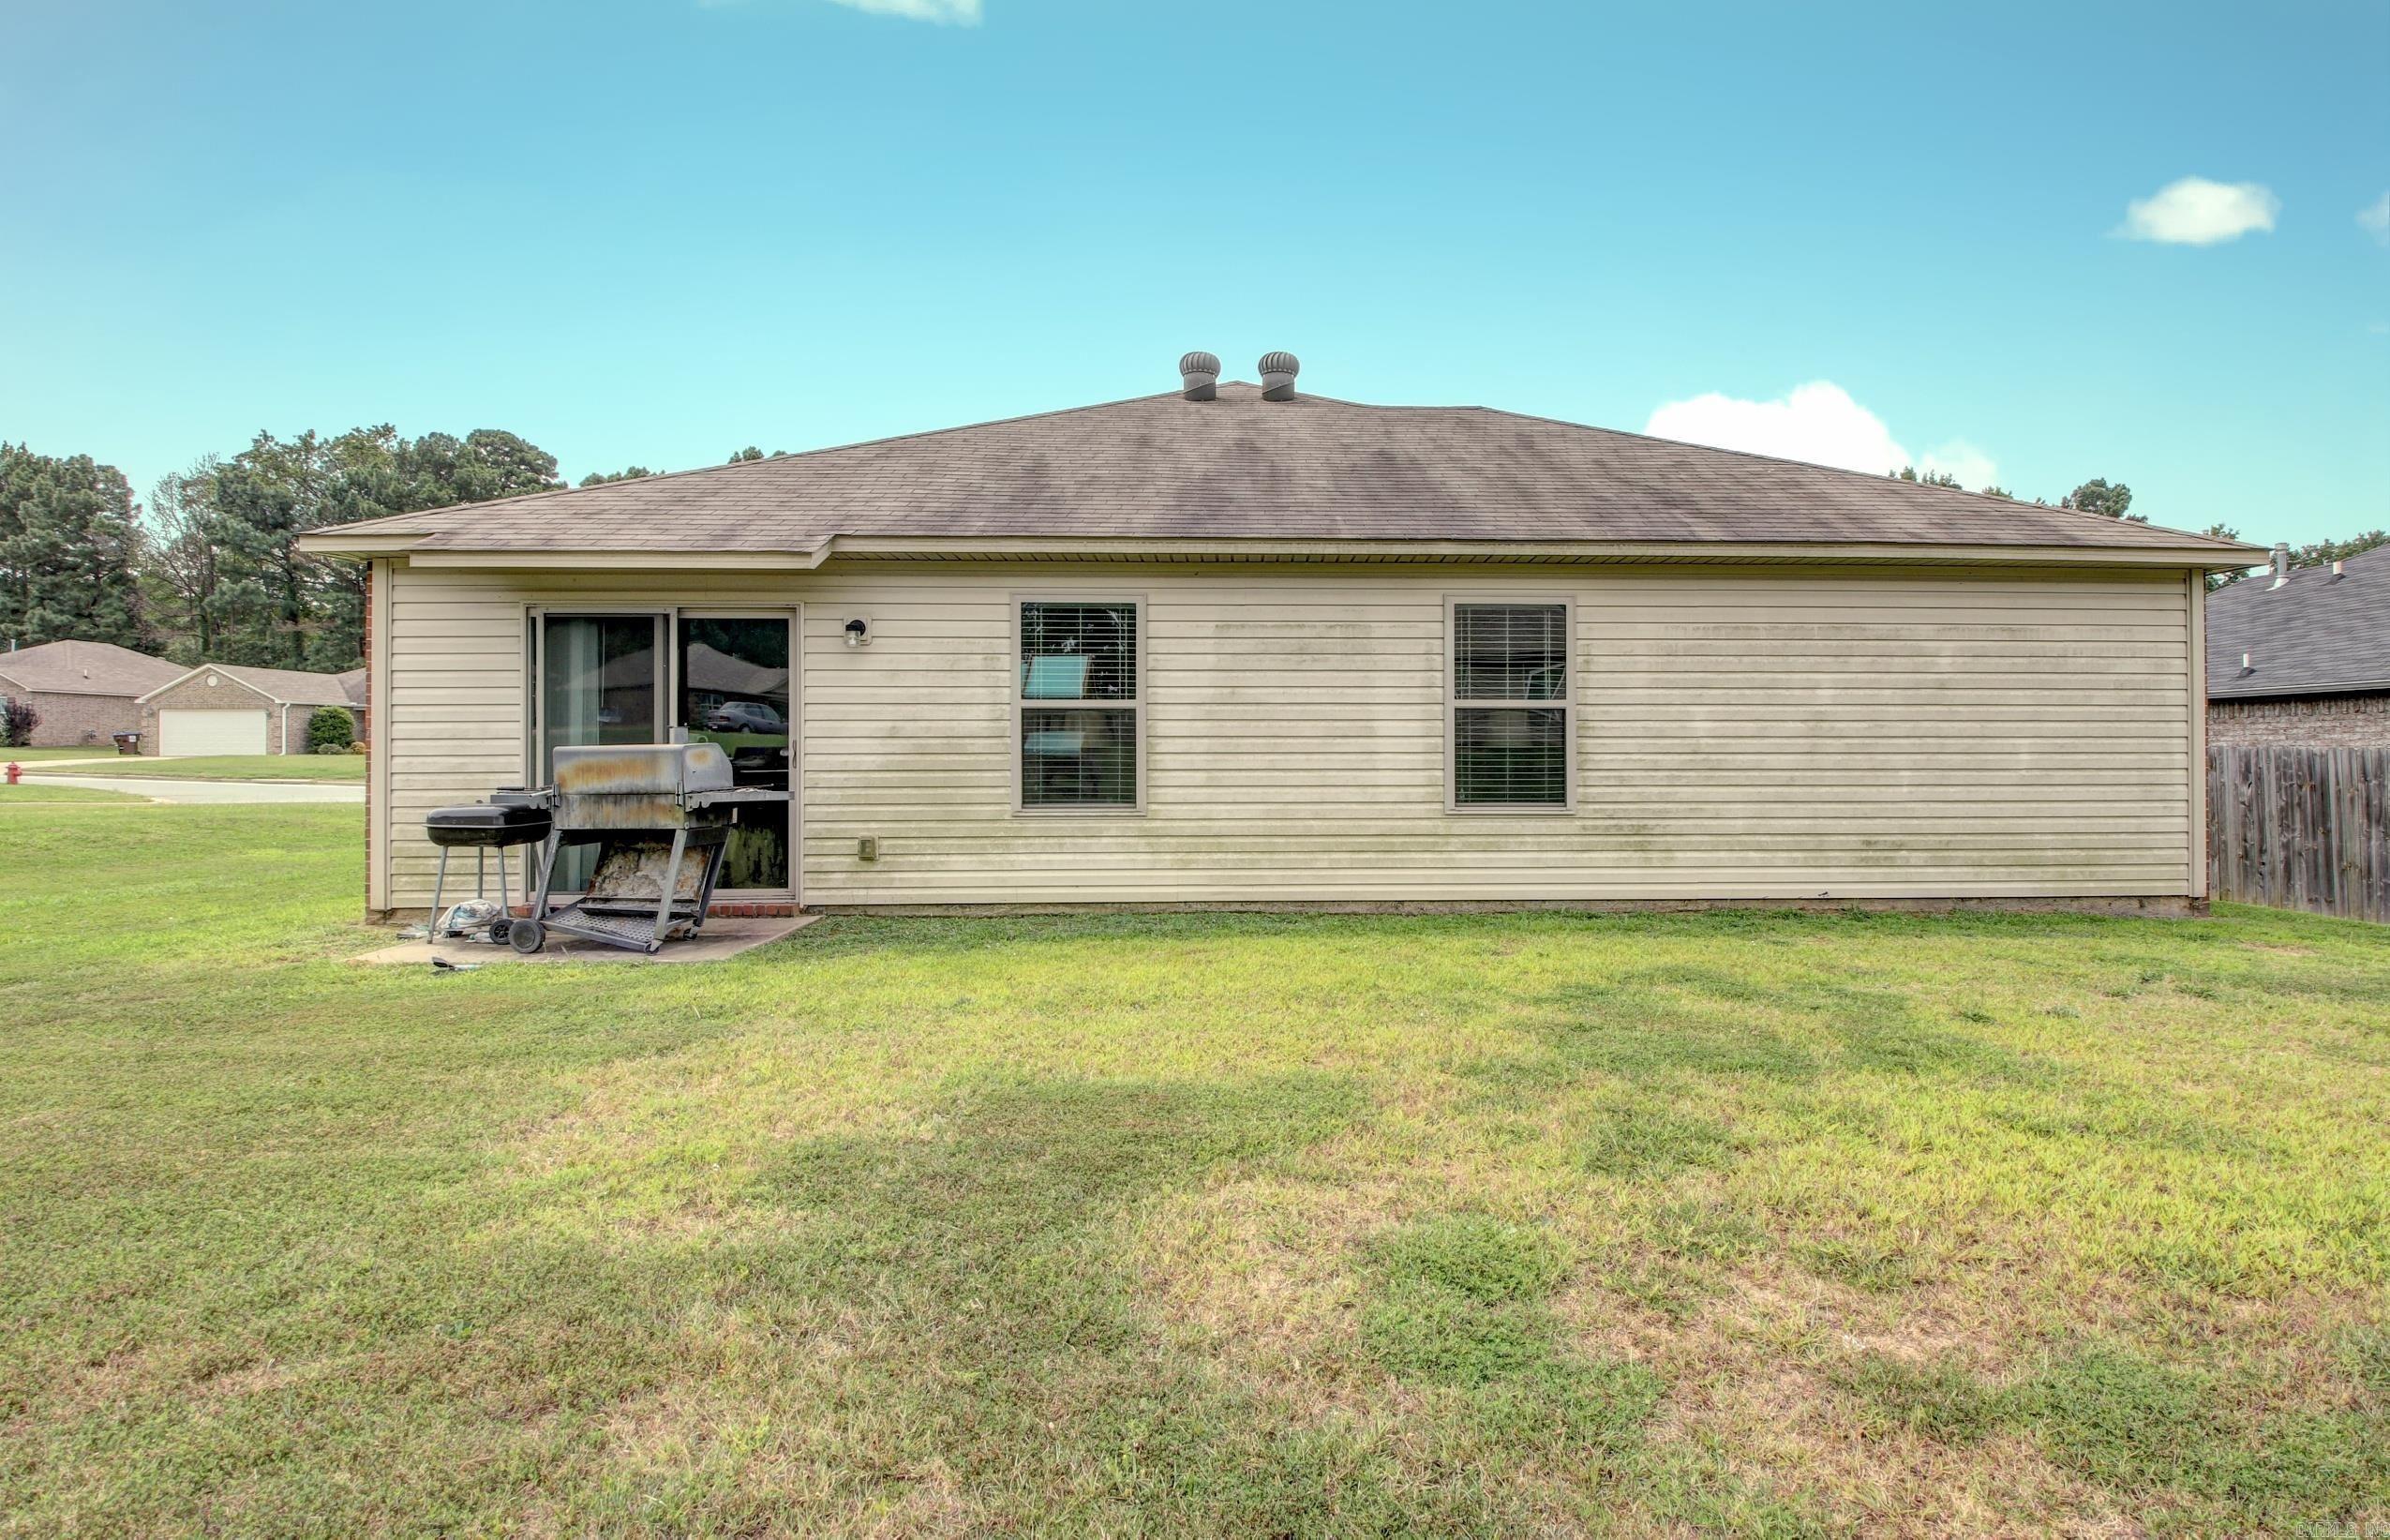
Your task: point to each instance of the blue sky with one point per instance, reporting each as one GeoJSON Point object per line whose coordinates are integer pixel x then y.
{"type": "Point", "coordinates": [653, 233]}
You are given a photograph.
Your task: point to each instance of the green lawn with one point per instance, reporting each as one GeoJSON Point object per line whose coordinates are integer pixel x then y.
{"type": "Point", "coordinates": [34, 756]}
{"type": "Point", "coordinates": [31, 793]}
{"type": "Point", "coordinates": [233, 766]}
{"type": "Point", "coordinates": [1496, 1225]}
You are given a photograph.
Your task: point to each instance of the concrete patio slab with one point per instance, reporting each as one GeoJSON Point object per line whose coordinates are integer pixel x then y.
{"type": "Point", "coordinates": [722, 938]}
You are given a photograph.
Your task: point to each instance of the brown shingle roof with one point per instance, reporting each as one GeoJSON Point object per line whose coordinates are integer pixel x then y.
{"type": "Point", "coordinates": [87, 669]}
{"type": "Point", "coordinates": [1162, 467]}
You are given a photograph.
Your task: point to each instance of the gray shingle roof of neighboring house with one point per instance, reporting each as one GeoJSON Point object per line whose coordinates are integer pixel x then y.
{"type": "Point", "coordinates": [2313, 635]}
{"type": "Point", "coordinates": [708, 668]}
{"type": "Point", "coordinates": [283, 686]}
{"type": "Point", "coordinates": [1238, 467]}
{"type": "Point", "coordinates": [86, 669]}
{"type": "Point", "coordinates": [354, 685]}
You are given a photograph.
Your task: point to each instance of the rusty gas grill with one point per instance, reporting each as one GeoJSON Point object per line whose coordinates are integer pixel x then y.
{"type": "Point", "coordinates": [660, 816]}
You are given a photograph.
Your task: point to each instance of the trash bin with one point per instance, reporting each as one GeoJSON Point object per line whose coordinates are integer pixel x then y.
{"type": "Point", "coordinates": [127, 742]}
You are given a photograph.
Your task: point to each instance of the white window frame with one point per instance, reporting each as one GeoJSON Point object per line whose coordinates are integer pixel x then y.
{"type": "Point", "coordinates": [1021, 704]}
{"type": "Point", "coordinates": [1565, 704]}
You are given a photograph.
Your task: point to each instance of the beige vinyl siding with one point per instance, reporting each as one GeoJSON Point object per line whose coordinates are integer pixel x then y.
{"type": "Point", "coordinates": [1741, 732]}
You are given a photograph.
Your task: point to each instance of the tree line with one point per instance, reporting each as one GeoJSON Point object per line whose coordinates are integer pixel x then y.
{"type": "Point", "coordinates": [209, 569]}
{"type": "Point", "coordinates": [2114, 500]}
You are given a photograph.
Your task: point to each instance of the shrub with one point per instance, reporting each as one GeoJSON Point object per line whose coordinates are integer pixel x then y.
{"type": "Point", "coordinates": [359, 747]}
{"type": "Point", "coordinates": [330, 730]}
{"type": "Point", "coordinates": [18, 719]}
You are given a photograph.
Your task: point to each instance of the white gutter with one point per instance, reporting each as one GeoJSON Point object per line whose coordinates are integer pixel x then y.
{"type": "Point", "coordinates": [1388, 552]}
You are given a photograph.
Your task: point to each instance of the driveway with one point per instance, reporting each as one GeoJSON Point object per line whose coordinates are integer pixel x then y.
{"type": "Point", "coordinates": [167, 790]}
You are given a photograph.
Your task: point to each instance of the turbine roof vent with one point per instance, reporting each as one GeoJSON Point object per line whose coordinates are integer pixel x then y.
{"type": "Point", "coordinates": [1199, 375]}
{"type": "Point", "coordinates": [1278, 376]}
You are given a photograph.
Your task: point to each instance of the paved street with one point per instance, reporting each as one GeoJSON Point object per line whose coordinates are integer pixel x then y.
{"type": "Point", "coordinates": [166, 790]}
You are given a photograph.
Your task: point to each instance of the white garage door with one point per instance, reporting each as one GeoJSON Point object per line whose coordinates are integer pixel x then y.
{"type": "Point", "coordinates": [211, 732]}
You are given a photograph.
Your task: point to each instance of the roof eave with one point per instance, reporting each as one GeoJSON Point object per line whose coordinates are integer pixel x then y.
{"type": "Point", "coordinates": [2288, 691]}
{"type": "Point", "coordinates": [61, 690]}
{"type": "Point", "coordinates": [578, 561]}
{"type": "Point", "coordinates": [2201, 557]}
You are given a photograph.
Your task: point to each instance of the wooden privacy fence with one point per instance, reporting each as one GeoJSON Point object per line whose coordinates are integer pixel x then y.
{"type": "Point", "coordinates": [2301, 829]}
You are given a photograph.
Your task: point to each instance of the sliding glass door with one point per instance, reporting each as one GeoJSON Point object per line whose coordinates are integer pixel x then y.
{"type": "Point", "coordinates": [598, 683]}
{"type": "Point", "coordinates": [734, 673]}
{"type": "Point", "coordinates": [721, 677]}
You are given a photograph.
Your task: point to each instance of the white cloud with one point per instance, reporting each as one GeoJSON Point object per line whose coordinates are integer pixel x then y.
{"type": "Point", "coordinates": [2375, 218]}
{"type": "Point", "coordinates": [2197, 212]}
{"type": "Point", "coordinates": [1819, 423]}
{"type": "Point", "coordinates": [1960, 459]}
{"type": "Point", "coordinates": [948, 12]}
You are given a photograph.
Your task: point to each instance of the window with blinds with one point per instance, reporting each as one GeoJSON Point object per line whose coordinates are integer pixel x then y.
{"type": "Point", "coordinates": [1509, 706]}
{"type": "Point", "coordinates": [1079, 705]}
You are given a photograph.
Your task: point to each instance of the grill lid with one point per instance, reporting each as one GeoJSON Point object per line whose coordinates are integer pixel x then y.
{"type": "Point", "coordinates": [642, 769]}
{"type": "Point", "coordinates": [486, 816]}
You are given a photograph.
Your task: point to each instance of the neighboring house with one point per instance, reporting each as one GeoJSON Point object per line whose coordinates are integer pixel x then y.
{"type": "Point", "coordinates": [83, 691]}
{"type": "Point", "coordinates": [353, 685]}
{"type": "Point", "coordinates": [231, 709]}
{"type": "Point", "coordinates": [2301, 656]}
{"type": "Point", "coordinates": [1219, 649]}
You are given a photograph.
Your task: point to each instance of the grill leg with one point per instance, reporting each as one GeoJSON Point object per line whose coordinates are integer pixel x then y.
{"type": "Point", "coordinates": [548, 871]}
{"type": "Point", "coordinates": [714, 858]}
{"type": "Point", "coordinates": [439, 881]}
{"type": "Point", "coordinates": [671, 887]}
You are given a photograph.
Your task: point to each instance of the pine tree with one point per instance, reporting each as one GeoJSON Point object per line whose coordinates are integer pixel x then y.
{"type": "Point", "coordinates": [69, 545]}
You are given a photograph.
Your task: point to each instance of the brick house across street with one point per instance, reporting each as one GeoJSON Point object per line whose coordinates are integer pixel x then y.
{"type": "Point", "coordinates": [232, 708]}
{"type": "Point", "coordinates": [2301, 657]}
{"type": "Point", "coordinates": [83, 691]}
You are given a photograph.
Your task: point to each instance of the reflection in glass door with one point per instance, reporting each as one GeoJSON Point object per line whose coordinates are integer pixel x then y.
{"type": "Point", "coordinates": [735, 692]}
{"type": "Point", "coordinates": [598, 684]}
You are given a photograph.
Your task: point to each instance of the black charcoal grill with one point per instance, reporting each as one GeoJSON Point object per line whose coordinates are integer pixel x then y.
{"type": "Point", "coordinates": [660, 816]}
{"type": "Point", "coordinates": [482, 828]}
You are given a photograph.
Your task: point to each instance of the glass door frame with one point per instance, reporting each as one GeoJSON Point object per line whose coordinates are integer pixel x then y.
{"type": "Point", "coordinates": [535, 677]}
{"type": "Point", "coordinates": [667, 620]}
{"type": "Point", "coordinates": [794, 615]}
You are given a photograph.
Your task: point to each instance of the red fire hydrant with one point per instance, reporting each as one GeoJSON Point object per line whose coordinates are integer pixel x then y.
{"type": "Point", "coordinates": [16, 772]}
